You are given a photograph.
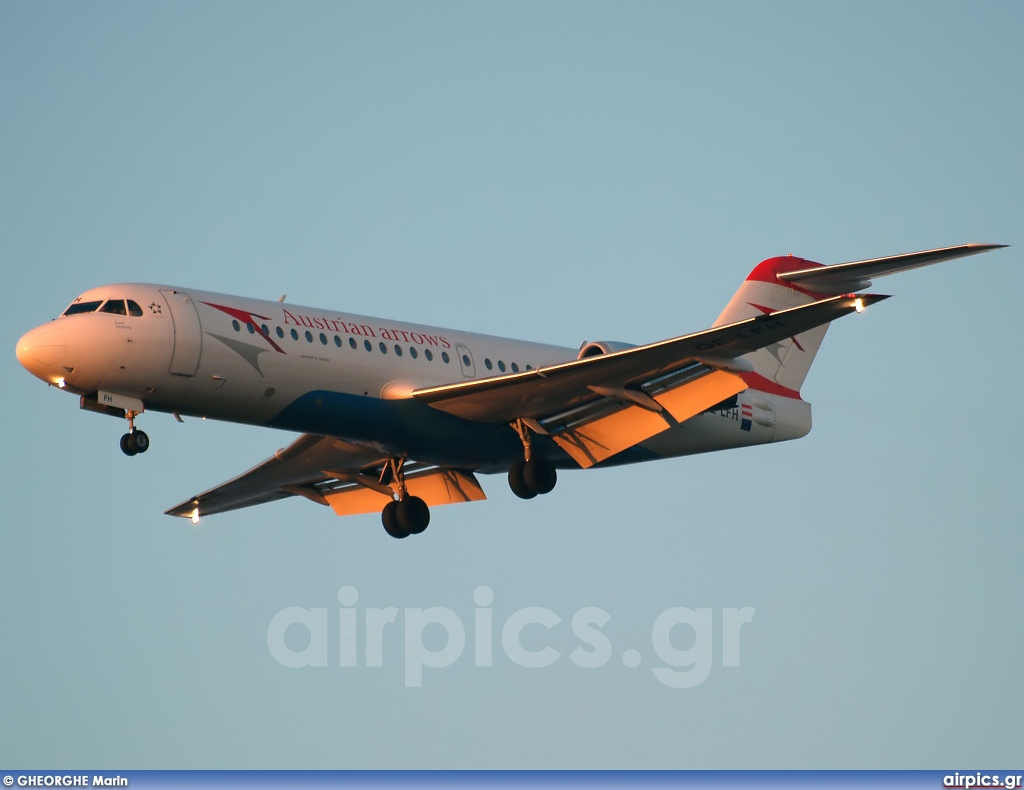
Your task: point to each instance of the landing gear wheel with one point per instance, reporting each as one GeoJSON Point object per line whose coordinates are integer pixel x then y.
{"type": "Point", "coordinates": [517, 483]}
{"type": "Point", "coordinates": [128, 446]}
{"type": "Point", "coordinates": [539, 474]}
{"type": "Point", "coordinates": [413, 515]}
{"type": "Point", "coordinates": [141, 441]}
{"type": "Point", "coordinates": [389, 517]}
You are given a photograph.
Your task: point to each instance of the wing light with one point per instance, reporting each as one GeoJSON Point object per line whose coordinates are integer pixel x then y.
{"type": "Point", "coordinates": [61, 384]}
{"type": "Point", "coordinates": [858, 305]}
{"type": "Point", "coordinates": [195, 516]}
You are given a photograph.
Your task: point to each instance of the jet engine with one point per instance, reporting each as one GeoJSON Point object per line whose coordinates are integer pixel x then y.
{"type": "Point", "coordinates": [599, 347]}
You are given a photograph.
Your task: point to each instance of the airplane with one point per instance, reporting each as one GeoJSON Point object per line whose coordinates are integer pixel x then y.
{"type": "Point", "coordinates": [397, 417]}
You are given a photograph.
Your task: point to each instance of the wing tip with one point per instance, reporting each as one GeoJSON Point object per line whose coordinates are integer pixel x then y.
{"type": "Point", "coordinates": [858, 302]}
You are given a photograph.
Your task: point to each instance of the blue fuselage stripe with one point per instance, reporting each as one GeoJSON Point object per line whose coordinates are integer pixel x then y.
{"type": "Point", "coordinates": [401, 427]}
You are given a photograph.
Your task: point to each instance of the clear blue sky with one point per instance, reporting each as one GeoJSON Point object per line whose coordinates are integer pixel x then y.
{"type": "Point", "coordinates": [558, 172]}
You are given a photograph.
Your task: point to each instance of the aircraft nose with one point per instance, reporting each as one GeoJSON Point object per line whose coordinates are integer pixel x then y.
{"type": "Point", "coordinates": [41, 350]}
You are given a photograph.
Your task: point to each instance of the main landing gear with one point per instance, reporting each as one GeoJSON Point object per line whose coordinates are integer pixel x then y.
{"type": "Point", "coordinates": [407, 515]}
{"type": "Point", "coordinates": [535, 474]}
{"type": "Point", "coordinates": [135, 441]}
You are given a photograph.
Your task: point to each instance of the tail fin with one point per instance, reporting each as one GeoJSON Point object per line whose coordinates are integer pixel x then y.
{"type": "Point", "coordinates": [778, 283]}
{"type": "Point", "coordinates": [781, 367]}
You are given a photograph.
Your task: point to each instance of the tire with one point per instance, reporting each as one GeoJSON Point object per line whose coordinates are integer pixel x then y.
{"type": "Point", "coordinates": [517, 483]}
{"type": "Point", "coordinates": [141, 441]}
{"type": "Point", "coordinates": [413, 515]}
{"type": "Point", "coordinates": [539, 474]}
{"type": "Point", "coordinates": [389, 517]}
{"type": "Point", "coordinates": [128, 445]}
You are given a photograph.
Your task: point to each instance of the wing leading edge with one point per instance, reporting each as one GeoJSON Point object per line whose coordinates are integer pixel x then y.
{"type": "Point", "coordinates": [635, 372]}
{"type": "Point", "coordinates": [330, 472]}
{"type": "Point", "coordinates": [857, 275]}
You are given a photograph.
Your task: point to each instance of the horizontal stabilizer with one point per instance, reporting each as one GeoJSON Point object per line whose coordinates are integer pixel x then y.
{"type": "Point", "coordinates": [857, 275]}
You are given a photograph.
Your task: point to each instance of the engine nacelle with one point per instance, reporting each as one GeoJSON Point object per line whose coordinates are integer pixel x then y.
{"type": "Point", "coordinates": [599, 347]}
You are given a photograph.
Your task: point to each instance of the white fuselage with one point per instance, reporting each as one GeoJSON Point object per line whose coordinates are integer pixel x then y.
{"type": "Point", "coordinates": [305, 369]}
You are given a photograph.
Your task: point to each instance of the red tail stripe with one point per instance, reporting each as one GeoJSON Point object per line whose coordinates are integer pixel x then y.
{"type": "Point", "coordinates": [766, 271]}
{"type": "Point", "coordinates": [758, 382]}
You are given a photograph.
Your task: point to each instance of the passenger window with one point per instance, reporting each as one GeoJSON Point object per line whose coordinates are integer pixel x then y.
{"type": "Point", "coordinates": [266, 330]}
{"type": "Point", "coordinates": [445, 357]}
{"type": "Point", "coordinates": [309, 336]}
{"type": "Point", "coordinates": [82, 307]}
{"type": "Point", "coordinates": [428, 354]}
{"type": "Point", "coordinates": [323, 339]}
{"type": "Point", "coordinates": [367, 346]}
{"type": "Point", "coordinates": [501, 366]}
{"type": "Point", "coordinates": [398, 350]}
{"type": "Point", "coordinates": [412, 352]}
{"type": "Point", "coordinates": [114, 307]}
{"type": "Point", "coordinates": [515, 367]}
{"type": "Point", "coordinates": [236, 326]}
{"type": "Point", "coordinates": [383, 349]}
{"type": "Point", "coordinates": [487, 363]}
{"type": "Point", "coordinates": [250, 327]}
{"type": "Point", "coordinates": [337, 341]}
{"type": "Point", "coordinates": [134, 309]}
{"type": "Point", "coordinates": [280, 332]}
{"type": "Point", "coordinates": [295, 334]}
{"type": "Point", "coordinates": [352, 343]}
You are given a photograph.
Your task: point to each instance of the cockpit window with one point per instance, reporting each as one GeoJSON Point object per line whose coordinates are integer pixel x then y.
{"type": "Point", "coordinates": [82, 307]}
{"type": "Point", "coordinates": [114, 307]}
{"type": "Point", "coordinates": [134, 309]}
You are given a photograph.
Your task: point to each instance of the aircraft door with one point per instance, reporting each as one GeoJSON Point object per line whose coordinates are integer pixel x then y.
{"type": "Point", "coordinates": [188, 335]}
{"type": "Point", "coordinates": [465, 361]}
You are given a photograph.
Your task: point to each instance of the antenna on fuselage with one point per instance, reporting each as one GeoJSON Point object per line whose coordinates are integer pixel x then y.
{"type": "Point", "coordinates": [283, 297]}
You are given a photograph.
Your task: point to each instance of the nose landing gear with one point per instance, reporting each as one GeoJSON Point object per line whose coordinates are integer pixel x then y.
{"type": "Point", "coordinates": [535, 474]}
{"type": "Point", "coordinates": [407, 515]}
{"type": "Point", "coordinates": [135, 441]}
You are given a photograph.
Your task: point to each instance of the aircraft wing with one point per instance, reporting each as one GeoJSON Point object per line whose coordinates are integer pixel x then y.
{"type": "Point", "coordinates": [332, 472]}
{"type": "Point", "coordinates": [857, 275]}
{"type": "Point", "coordinates": [598, 406]}
{"type": "Point", "coordinates": [549, 389]}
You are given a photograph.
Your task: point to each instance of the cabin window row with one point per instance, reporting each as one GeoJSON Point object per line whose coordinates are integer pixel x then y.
{"type": "Point", "coordinates": [354, 344]}
{"type": "Point", "coordinates": [514, 367]}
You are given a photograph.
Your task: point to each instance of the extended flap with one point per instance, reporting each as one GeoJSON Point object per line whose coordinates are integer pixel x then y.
{"type": "Point", "coordinates": [433, 486]}
{"type": "Point", "coordinates": [592, 442]}
{"type": "Point", "coordinates": [692, 398]}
